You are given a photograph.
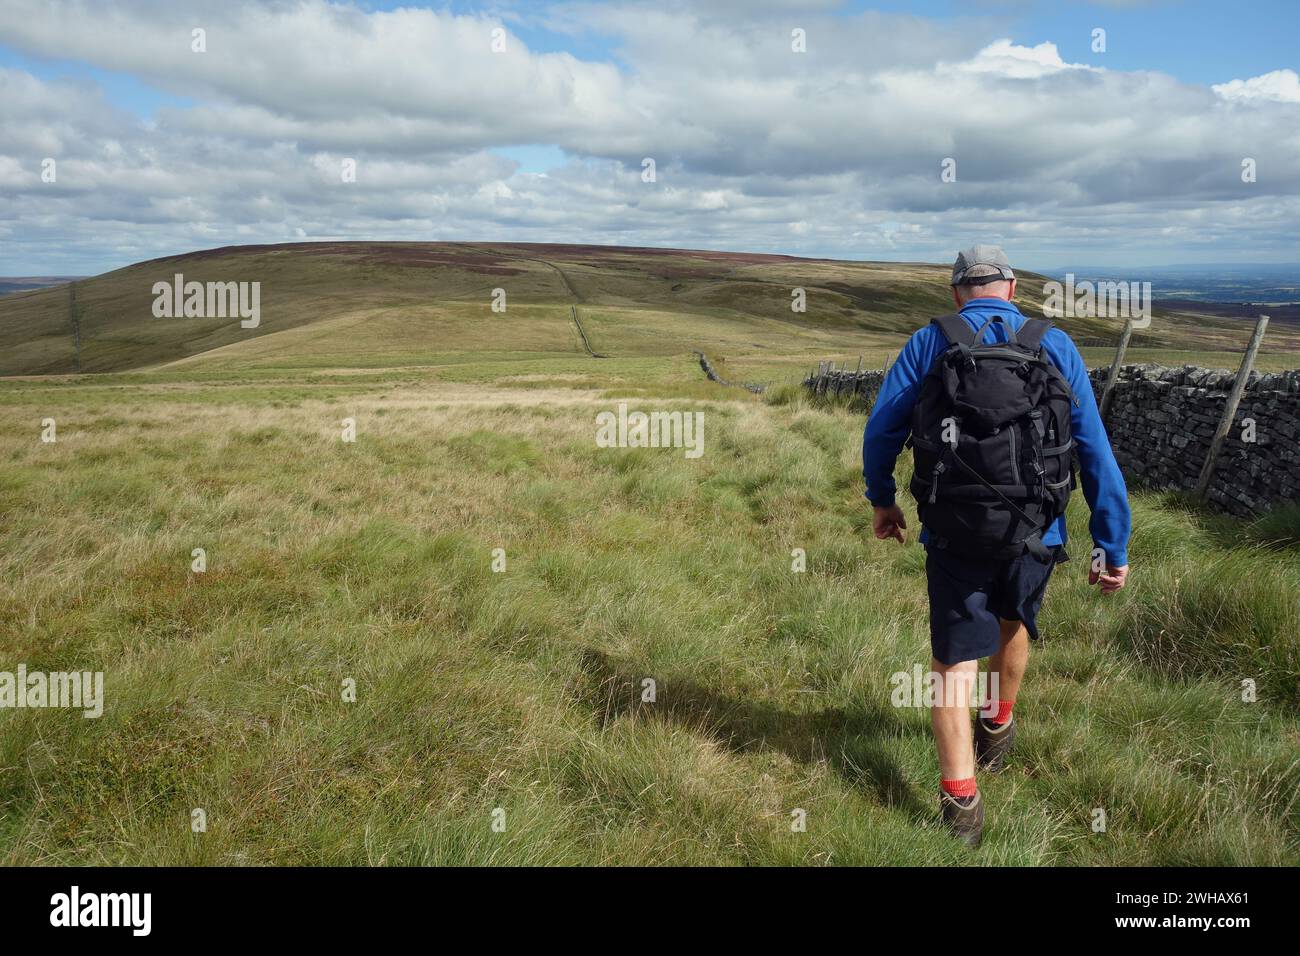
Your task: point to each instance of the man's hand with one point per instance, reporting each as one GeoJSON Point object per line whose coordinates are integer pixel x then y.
{"type": "Point", "coordinates": [1112, 579]}
{"type": "Point", "coordinates": [889, 523]}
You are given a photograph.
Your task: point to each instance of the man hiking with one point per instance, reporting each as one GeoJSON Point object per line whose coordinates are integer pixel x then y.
{"type": "Point", "coordinates": [995, 407]}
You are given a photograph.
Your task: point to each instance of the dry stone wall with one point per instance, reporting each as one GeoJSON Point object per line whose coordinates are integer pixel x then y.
{"type": "Point", "coordinates": [1161, 421]}
{"type": "Point", "coordinates": [858, 389]}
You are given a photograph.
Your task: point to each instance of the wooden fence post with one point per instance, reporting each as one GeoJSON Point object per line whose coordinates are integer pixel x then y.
{"type": "Point", "coordinates": [1109, 391]}
{"type": "Point", "coordinates": [1230, 409]}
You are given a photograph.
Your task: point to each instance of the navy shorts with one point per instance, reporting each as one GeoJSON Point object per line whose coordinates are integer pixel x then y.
{"type": "Point", "coordinates": [969, 595]}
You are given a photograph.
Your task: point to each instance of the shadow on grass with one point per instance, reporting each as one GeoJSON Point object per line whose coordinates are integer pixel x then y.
{"type": "Point", "coordinates": [857, 744]}
{"type": "Point", "coordinates": [1277, 528]}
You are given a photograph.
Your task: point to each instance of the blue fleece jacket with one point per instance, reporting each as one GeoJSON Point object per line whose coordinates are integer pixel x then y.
{"type": "Point", "coordinates": [890, 423]}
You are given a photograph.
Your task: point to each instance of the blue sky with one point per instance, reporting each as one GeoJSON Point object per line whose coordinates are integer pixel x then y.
{"type": "Point", "coordinates": [121, 89]}
{"type": "Point", "coordinates": [1198, 41]}
{"type": "Point", "coordinates": [1130, 156]}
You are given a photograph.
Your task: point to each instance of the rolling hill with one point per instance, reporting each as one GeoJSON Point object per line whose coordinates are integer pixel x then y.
{"type": "Point", "coordinates": [410, 304]}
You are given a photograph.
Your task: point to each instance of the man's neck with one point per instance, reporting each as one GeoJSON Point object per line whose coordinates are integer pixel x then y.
{"type": "Point", "coordinates": [987, 300]}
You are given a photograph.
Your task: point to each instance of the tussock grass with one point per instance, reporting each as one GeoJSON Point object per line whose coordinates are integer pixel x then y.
{"type": "Point", "coordinates": [521, 691]}
{"type": "Point", "coordinates": [1280, 528]}
{"type": "Point", "coordinates": [1226, 615]}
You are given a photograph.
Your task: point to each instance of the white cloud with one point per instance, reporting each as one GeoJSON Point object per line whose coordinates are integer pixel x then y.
{"type": "Point", "coordinates": [1006, 58]}
{"type": "Point", "coordinates": [749, 138]}
{"type": "Point", "coordinates": [1281, 86]}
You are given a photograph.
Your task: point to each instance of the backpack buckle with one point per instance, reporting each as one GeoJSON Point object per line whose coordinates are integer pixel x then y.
{"type": "Point", "coordinates": [939, 469]}
{"type": "Point", "coordinates": [961, 355]}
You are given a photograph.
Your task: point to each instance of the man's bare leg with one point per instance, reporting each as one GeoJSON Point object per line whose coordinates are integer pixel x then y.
{"type": "Point", "coordinates": [950, 717]}
{"type": "Point", "coordinates": [959, 800]}
{"type": "Point", "coordinates": [1010, 661]}
{"type": "Point", "coordinates": [995, 733]}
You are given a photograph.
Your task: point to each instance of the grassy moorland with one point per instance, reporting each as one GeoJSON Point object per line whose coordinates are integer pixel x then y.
{"type": "Point", "coordinates": [376, 305]}
{"type": "Point", "coordinates": [521, 690]}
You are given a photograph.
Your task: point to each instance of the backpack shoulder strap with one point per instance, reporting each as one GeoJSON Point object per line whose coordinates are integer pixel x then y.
{"type": "Point", "coordinates": [955, 329]}
{"type": "Point", "coordinates": [1032, 332]}
{"type": "Point", "coordinates": [1031, 335]}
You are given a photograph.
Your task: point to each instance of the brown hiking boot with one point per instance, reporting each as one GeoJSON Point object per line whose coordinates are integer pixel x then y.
{"type": "Point", "coordinates": [993, 743]}
{"type": "Point", "coordinates": [966, 823]}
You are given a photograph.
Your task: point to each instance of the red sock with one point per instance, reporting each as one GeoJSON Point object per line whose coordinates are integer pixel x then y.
{"type": "Point", "coordinates": [999, 715]}
{"type": "Point", "coordinates": [959, 788]}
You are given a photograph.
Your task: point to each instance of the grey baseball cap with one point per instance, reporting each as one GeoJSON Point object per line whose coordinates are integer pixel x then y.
{"type": "Point", "coordinates": [981, 264]}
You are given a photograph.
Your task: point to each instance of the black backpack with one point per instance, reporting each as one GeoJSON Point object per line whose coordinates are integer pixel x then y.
{"type": "Point", "coordinates": [991, 442]}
